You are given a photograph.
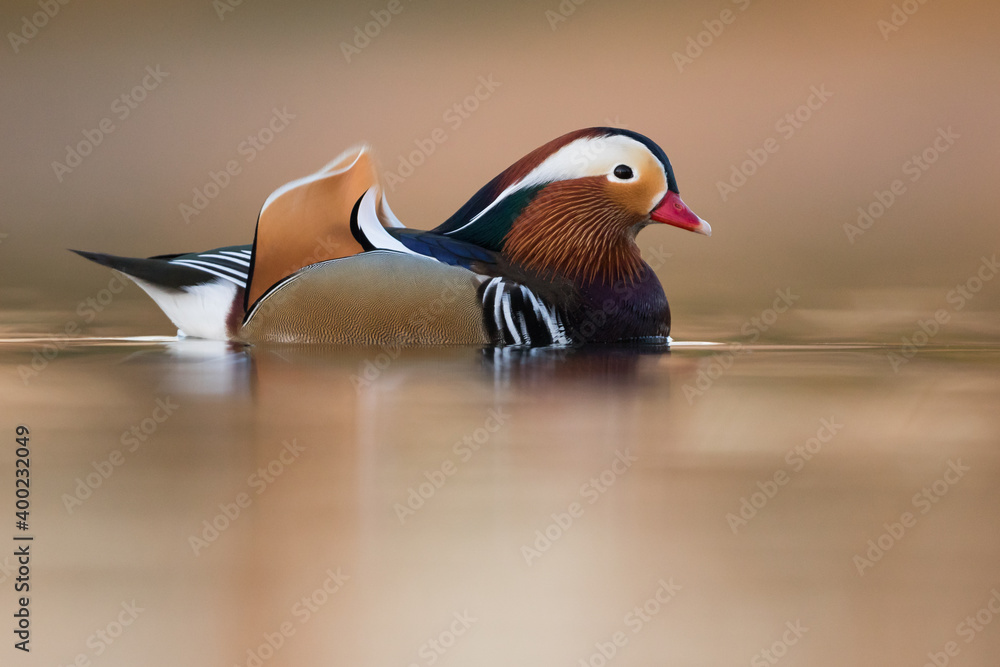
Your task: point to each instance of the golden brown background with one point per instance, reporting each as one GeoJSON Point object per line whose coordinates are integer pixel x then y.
{"type": "Point", "coordinates": [570, 412]}
{"type": "Point", "coordinates": [607, 63]}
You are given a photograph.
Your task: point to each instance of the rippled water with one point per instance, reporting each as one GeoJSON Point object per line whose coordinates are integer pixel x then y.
{"type": "Point", "coordinates": [456, 506]}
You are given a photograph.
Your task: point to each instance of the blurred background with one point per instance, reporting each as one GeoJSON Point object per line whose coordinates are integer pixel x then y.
{"type": "Point", "coordinates": [143, 128]}
{"type": "Point", "coordinates": [554, 68]}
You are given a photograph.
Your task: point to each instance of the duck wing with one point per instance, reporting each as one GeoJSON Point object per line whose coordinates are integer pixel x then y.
{"type": "Point", "coordinates": [308, 221]}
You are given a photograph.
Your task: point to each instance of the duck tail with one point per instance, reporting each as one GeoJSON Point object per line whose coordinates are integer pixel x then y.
{"type": "Point", "coordinates": [199, 301]}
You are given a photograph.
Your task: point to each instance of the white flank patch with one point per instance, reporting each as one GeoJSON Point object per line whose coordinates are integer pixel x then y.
{"type": "Point", "coordinates": [387, 217]}
{"type": "Point", "coordinates": [371, 226]}
{"type": "Point", "coordinates": [198, 311]}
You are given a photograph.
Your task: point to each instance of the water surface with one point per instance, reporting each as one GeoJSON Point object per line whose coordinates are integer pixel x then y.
{"type": "Point", "coordinates": [457, 506]}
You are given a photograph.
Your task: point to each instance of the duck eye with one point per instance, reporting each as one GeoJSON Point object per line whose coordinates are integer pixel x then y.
{"type": "Point", "coordinates": [623, 171]}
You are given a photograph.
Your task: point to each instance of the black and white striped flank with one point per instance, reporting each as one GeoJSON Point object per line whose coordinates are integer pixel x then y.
{"type": "Point", "coordinates": [516, 316]}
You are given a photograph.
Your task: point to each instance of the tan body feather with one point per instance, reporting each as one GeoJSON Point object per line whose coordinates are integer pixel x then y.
{"type": "Point", "coordinates": [375, 298]}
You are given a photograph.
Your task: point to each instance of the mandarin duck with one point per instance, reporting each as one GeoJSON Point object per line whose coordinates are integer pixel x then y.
{"type": "Point", "coordinates": [544, 254]}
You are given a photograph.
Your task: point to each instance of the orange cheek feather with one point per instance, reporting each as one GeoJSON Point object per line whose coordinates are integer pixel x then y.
{"type": "Point", "coordinates": [639, 197]}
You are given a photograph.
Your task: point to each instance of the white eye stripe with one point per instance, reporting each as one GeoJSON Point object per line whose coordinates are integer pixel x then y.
{"type": "Point", "coordinates": [587, 156]}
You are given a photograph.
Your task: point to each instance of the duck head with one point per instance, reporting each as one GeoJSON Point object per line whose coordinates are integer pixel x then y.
{"type": "Point", "coordinates": [572, 208]}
